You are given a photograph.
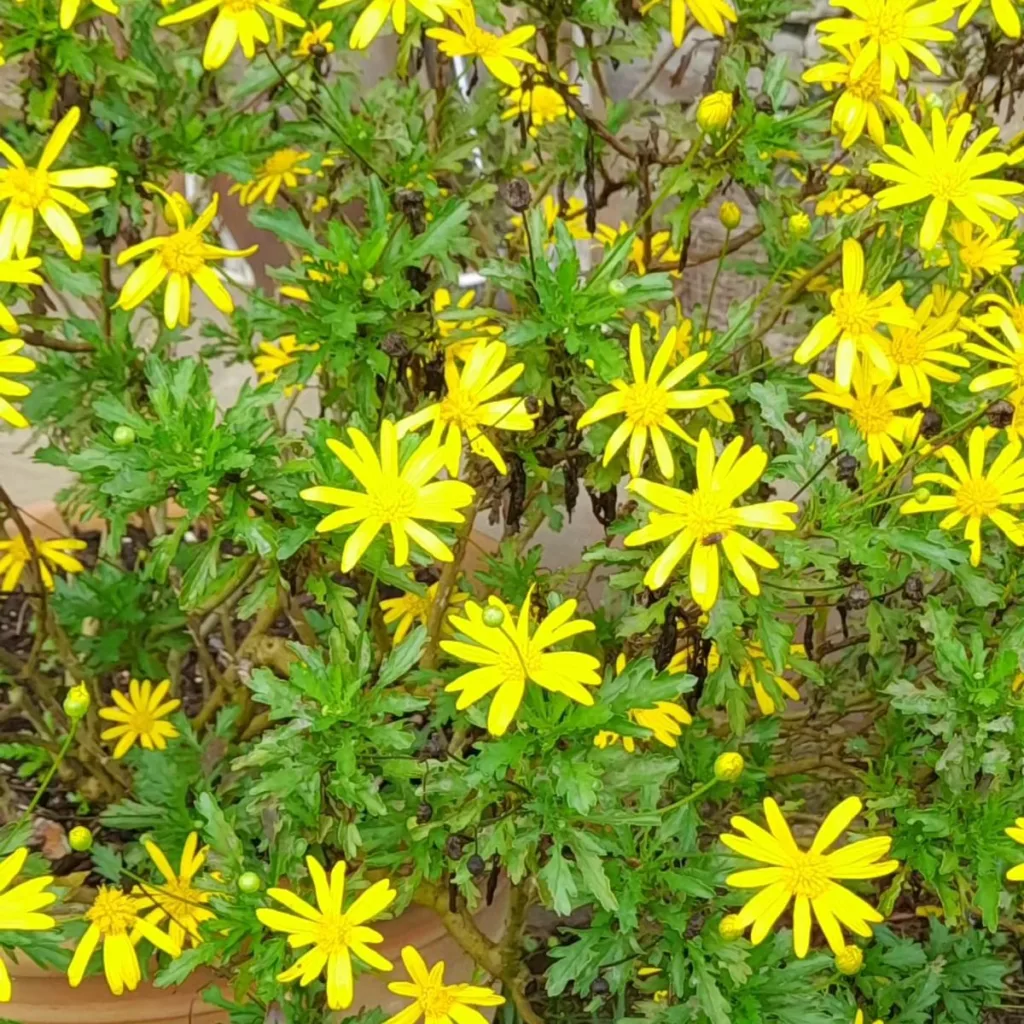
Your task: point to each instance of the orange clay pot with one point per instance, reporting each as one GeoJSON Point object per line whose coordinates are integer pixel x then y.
{"type": "Point", "coordinates": [43, 997]}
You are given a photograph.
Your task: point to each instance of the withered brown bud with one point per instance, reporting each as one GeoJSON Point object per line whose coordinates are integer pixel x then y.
{"type": "Point", "coordinates": [393, 344]}
{"type": "Point", "coordinates": [532, 405]}
{"type": "Point", "coordinates": [1000, 414]}
{"type": "Point", "coordinates": [516, 193]}
{"type": "Point", "coordinates": [913, 588]}
{"type": "Point", "coordinates": [931, 423]}
{"type": "Point", "coordinates": [858, 596]}
{"type": "Point", "coordinates": [410, 202]}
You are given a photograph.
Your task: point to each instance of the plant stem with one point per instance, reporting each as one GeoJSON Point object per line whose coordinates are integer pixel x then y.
{"type": "Point", "coordinates": [48, 777]}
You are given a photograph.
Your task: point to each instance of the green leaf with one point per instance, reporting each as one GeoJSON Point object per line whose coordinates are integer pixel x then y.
{"type": "Point", "coordinates": [221, 835]}
{"type": "Point", "coordinates": [403, 657]}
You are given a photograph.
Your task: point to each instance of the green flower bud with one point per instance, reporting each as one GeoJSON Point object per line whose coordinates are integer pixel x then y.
{"type": "Point", "coordinates": [249, 881]}
{"type": "Point", "coordinates": [124, 435]}
{"type": "Point", "coordinates": [728, 767]}
{"type": "Point", "coordinates": [799, 225]}
{"type": "Point", "coordinates": [616, 288]}
{"type": "Point", "coordinates": [76, 703]}
{"type": "Point", "coordinates": [730, 215]}
{"type": "Point", "coordinates": [80, 839]}
{"type": "Point", "coordinates": [493, 616]}
{"type": "Point", "coordinates": [921, 495]}
{"type": "Point", "coordinates": [730, 927]}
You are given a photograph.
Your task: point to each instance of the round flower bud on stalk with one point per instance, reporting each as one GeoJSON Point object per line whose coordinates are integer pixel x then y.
{"type": "Point", "coordinates": [80, 839]}
{"type": "Point", "coordinates": [730, 927]}
{"type": "Point", "coordinates": [249, 882]}
{"type": "Point", "coordinates": [922, 494]}
{"type": "Point", "coordinates": [714, 111]}
{"type": "Point", "coordinates": [616, 288]}
{"type": "Point", "coordinates": [493, 616]}
{"type": "Point", "coordinates": [728, 766]}
{"type": "Point", "coordinates": [76, 703]}
{"type": "Point", "coordinates": [799, 225]}
{"type": "Point", "coordinates": [730, 215]}
{"type": "Point", "coordinates": [850, 960]}
{"type": "Point", "coordinates": [124, 435]}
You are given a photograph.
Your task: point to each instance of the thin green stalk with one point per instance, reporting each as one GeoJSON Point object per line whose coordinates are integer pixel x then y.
{"type": "Point", "coordinates": [48, 777]}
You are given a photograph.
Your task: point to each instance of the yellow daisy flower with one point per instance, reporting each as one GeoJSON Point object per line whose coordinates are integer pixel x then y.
{"type": "Point", "coordinates": [69, 10]}
{"type": "Point", "coordinates": [180, 258]}
{"type": "Point", "coordinates": [938, 171]}
{"type": "Point", "coordinates": [335, 934]}
{"type": "Point", "coordinates": [661, 248]}
{"type": "Point", "coordinates": [237, 23]}
{"type": "Point", "coordinates": [976, 495]}
{"type": "Point", "coordinates": [711, 15]}
{"type": "Point", "coordinates": [435, 1001]}
{"type": "Point", "coordinates": [20, 907]}
{"type": "Point", "coordinates": [983, 254]}
{"type": "Point", "coordinates": [1008, 352]}
{"type": "Point", "coordinates": [496, 52]}
{"type": "Point", "coordinates": [854, 321]}
{"type": "Point", "coordinates": [890, 31]}
{"type": "Point", "coordinates": [412, 607]}
{"type": "Point", "coordinates": [864, 104]}
{"type": "Point", "coordinates": [31, 190]}
{"type": "Point", "coordinates": [139, 717]}
{"type": "Point", "coordinates": [921, 353]}
{"type": "Point", "coordinates": [371, 21]}
{"type": "Point", "coordinates": [11, 363]}
{"type": "Point", "coordinates": [279, 170]}
{"type": "Point", "coordinates": [319, 36]}
{"type": "Point", "coordinates": [177, 899]}
{"type": "Point", "coordinates": [116, 920]}
{"type": "Point", "coordinates": [663, 720]}
{"type": "Point", "coordinates": [395, 496]}
{"type": "Point", "coordinates": [748, 675]}
{"type": "Point", "coordinates": [276, 355]}
{"type": "Point", "coordinates": [471, 403]}
{"type": "Point", "coordinates": [1015, 832]}
{"type": "Point", "coordinates": [460, 336]}
{"type": "Point", "coordinates": [999, 307]}
{"type": "Point", "coordinates": [539, 104]}
{"type": "Point", "coordinates": [16, 272]}
{"type": "Point", "coordinates": [648, 402]}
{"type": "Point", "coordinates": [809, 877]}
{"type": "Point", "coordinates": [705, 518]}
{"type": "Point", "coordinates": [1004, 11]}
{"type": "Point", "coordinates": [509, 657]}
{"type": "Point", "coordinates": [14, 556]}
{"type": "Point", "coordinates": [873, 405]}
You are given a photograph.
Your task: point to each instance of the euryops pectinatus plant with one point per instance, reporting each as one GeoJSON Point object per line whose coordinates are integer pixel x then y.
{"type": "Point", "coordinates": [727, 294]}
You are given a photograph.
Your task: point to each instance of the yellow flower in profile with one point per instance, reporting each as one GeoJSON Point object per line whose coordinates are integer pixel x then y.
{"type": "Point", "coordinates": [859, 1018]}
{"type": "Point", "coordinates": [663, 720]}
{"type": "Point", "coordinates": [372, 19]}
{"type": "Point", "coordinates": [937, 171]}
{"type": "Point", "coordinates": [874, 407]}
{"type": "Point", "coordinates": [177, 899]}
{"type": "Point", "coordinates": [854, 321]}
{"type": "Point", "coordinates": [748, 675]}
{"type": "Point", "coordinates": [393, 495]}
{"type": "Point", "coordinates": [276, 355]}
{"type": "Point", "coordinates": [496, 52]}
{"type": "Point", "coordinates": [976, 495]}
{"type": "Point", "coordinates": [808, 877]}
{"type": "Point", "coordinates": [435, 1001]}
{"type": "Point", "coordinates": [180, 258]}
{"type": "Point", "coordinates": [69, 10]}
{"type": "Point", "coordinates": [281, 169]}
{"type": "Point", "coordinates": [711, 15]}
{"type": "Point", "coordinates": [1015, 832]}
{"type": "Point", "coordinates": [334, 933]}
{"type": "Point", "coordinates": [539, 104]}
{"type": "Point", "coordinates": [16, 272]}
{"type": "Point", "coordinates": [460, 336]}
{"type": "Point", "coordinates": [890, 31]}
{"type": "Point", "coordinates": [471, 403]}
{"type": "Point", "coordinates": [20, 907]}
{"type": "Point", "coordinates": [509, 656]}
{"type": "Point", "coordinates": [116, 920]}
{"type": "Point", "coordinates": [238, 22]}
{"type": "Point", "coordinates": [661, 247]}
{"type": "Point", "coordinates": [319, 36]}
{"type": "Point", "coordinates": [1000, 306]}
{"type": "Point", "coordinates": [572, 215]}
{"type": "Point", "coordinates": [864, 104]}
{"type": "Point", "coordinates": [139, 717]}
{"type": "Point", "coordinates": [412, 607]}
{"type": "Point", "coordinates": [648, 402]}
{"type": "Point", "coordinates": [32, 190]}
{"type": "Point", "coordinates": [15, 556]}
{"type": "Point", "coordinates": [327, 273]}
{"type": "Point", "coordinates": [1004, 11]}
{"type": "Point", "coordinates": [842, 201]}
{"type": "Point", "coordinates": [12, 363]}
{"type": "Point", "coordinates": [1008, 351]}
{"type": "Point", "coordinates": [983, 254]}
{"type": "Point", "coordinates": [921, 353]}
{"type": "Point", "coordinates": [705, 518]}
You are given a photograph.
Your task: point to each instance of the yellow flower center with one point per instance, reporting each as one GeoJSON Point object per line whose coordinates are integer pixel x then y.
{"type": "Point", "coordinates": [853, 312]}
{"type": "Point", "coordinates": [646, 404]}
{"type": "Point", "coordinates": [907, 348]}
{"type": "Point", "coordinates": [238, 6]}
{"type": "Point", "coordinates": [482, 43]}
{"type": "Point", "coordinates": [516, 665]}
{"type": "Point", "coordinates": [710, 517]}
{"type": "Point", "coordinates": [886, 22]}
{"type": "Point", "coordinates": [333, 934]}
{"type": "Point", "coordinates": [281, 162]}
{"type": "Point", "coordinates": [437, 1000]}
{"type": "Point", "coordinates": [977, 498]}
{"type": "Point", "coordinates": [180, 899]}
{"type": "Point", "coordinates": [183, 253]}
{"type": "Point", "coordinates": [871, 414]}
{"type": "Point", "coordinates": [459, 407]}
{"type": "Point", "coordinates": [393, 502]}
{"type": "Point", "coordinates": [141, 720]}
{"type": "Point", "coordinates": [30, 186]}
{"type": "Point", "coordinates": [947, 182]}
{"type": "Point", "coordinates": [869, 86]}
{"type": "Point", "coordinates": [113, 913]}
{"type": "Point", "coordinates": [807, 875]}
